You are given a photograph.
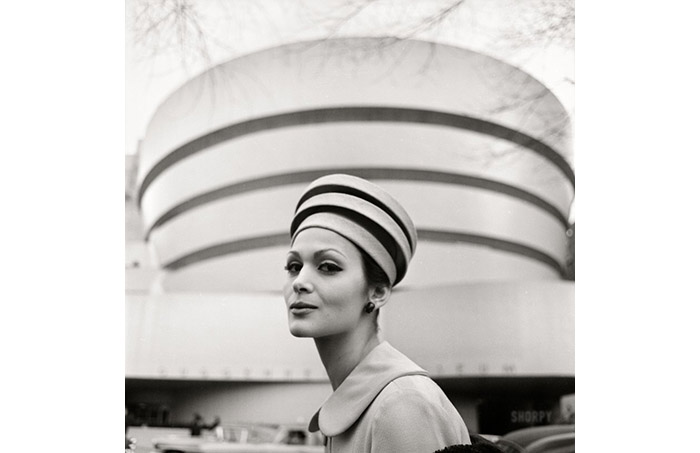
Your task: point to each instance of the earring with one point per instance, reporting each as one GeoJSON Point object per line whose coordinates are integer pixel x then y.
{"type": "Point", "coordinates": [369, 308]}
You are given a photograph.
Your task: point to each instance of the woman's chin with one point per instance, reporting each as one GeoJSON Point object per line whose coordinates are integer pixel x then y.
{"type": "Point", "coordinates": [299, 331]}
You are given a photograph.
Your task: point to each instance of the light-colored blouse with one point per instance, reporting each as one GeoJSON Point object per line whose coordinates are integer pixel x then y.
{"type": "Point", "coordinates": [388, 404]}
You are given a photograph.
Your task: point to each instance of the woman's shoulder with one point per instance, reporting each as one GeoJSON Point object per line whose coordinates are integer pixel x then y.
{"type": "Point", "coordinates": [417, 383]}
{"type": "Point", "coordinates": [412, 410]}
{"type": "Point", "coordinates": [413, 394]}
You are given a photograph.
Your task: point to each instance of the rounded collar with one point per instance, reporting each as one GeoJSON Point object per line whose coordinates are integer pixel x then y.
{"type": "Point", "coordinates": [344, 407]}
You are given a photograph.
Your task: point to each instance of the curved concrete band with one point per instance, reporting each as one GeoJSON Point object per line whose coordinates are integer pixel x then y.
{"type": "Point", "coordinates": [476, 150]}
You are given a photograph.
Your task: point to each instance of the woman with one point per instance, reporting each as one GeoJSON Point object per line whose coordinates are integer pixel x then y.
{"type": "Point", "coordinates": [351, 243]}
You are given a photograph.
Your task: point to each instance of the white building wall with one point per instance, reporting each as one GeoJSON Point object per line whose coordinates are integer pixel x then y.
{"type": "Point", "coordinates": [484, 294]}
{"type": "Point", "coordinates": [485, 329]}
{"type": "Point", "coordinates": [474, 148]}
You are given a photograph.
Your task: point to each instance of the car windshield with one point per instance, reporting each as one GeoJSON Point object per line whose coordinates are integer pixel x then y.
{"type": "Point", "coordinates": [249, 434]}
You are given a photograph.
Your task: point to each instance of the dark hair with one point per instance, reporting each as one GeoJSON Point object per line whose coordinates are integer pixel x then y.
{"type": "Point", "coordinates": [473, 448]}
{"type": "Point", "coordinates": [479, 445]}
{"type": "Point", "coordinates": [373, 273]}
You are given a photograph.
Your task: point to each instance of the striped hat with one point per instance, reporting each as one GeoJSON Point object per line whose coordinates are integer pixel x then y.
{"type": "Point", "coordinates": [363, 213]}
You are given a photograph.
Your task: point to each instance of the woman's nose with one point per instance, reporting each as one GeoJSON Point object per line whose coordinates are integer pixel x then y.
{"type": "Point", "coordinates": [302, 284]}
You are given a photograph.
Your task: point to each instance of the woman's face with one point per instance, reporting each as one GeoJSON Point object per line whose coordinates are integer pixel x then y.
{"type": "Point", "coordinates": [326, 289]}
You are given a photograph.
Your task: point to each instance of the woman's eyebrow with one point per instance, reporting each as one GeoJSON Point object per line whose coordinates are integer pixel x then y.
{"type": "Point", "coordinates": [318, 253]}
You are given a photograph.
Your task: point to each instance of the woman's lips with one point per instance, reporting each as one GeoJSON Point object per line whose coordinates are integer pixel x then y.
{"type": "Point", "coordinates": [301, 305]}
{"type": "Point", "coordinates": [301, 308]}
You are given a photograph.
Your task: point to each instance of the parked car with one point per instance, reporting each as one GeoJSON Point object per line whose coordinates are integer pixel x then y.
{"type": "Point", "coordinates": [539, 439]}
{"type": "Point", "coordinates": [129, 444]}
{"type": "Point", "coordinates": [245, 439]}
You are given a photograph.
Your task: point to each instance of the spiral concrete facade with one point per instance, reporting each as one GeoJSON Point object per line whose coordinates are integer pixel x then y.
{"type": "Point", "coordinates": [475, 149]}
{"type": "Point", "coordinates": [478, 153]}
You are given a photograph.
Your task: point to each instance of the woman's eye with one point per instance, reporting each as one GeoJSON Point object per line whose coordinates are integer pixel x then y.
{"type": "Point", "coordinates": [329, 268]}
{"type": "Point", "coordinates": [292, 268]}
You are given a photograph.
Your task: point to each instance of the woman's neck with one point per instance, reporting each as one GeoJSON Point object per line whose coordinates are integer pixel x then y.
{"type": "Point", "coordinates": [340, 354]}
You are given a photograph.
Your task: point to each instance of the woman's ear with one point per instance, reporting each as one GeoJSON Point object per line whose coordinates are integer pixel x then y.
{"type": "Point", "coordinates": [379, 295]}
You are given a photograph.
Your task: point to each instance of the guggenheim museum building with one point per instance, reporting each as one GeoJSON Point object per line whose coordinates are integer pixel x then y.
{"type": "Point", "coordinates": [478, 151]}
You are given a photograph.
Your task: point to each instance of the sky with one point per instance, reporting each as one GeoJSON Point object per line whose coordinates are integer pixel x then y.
{"type": "Point", "coordinates": [516, 31]}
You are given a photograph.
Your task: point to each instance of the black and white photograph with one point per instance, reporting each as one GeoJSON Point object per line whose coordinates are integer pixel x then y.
{"type": "Point", "coordinates": [350, 226]}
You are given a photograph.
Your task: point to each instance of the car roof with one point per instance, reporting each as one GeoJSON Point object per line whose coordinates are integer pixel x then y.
{"type": "Point", "coordinates": [526, 436]}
